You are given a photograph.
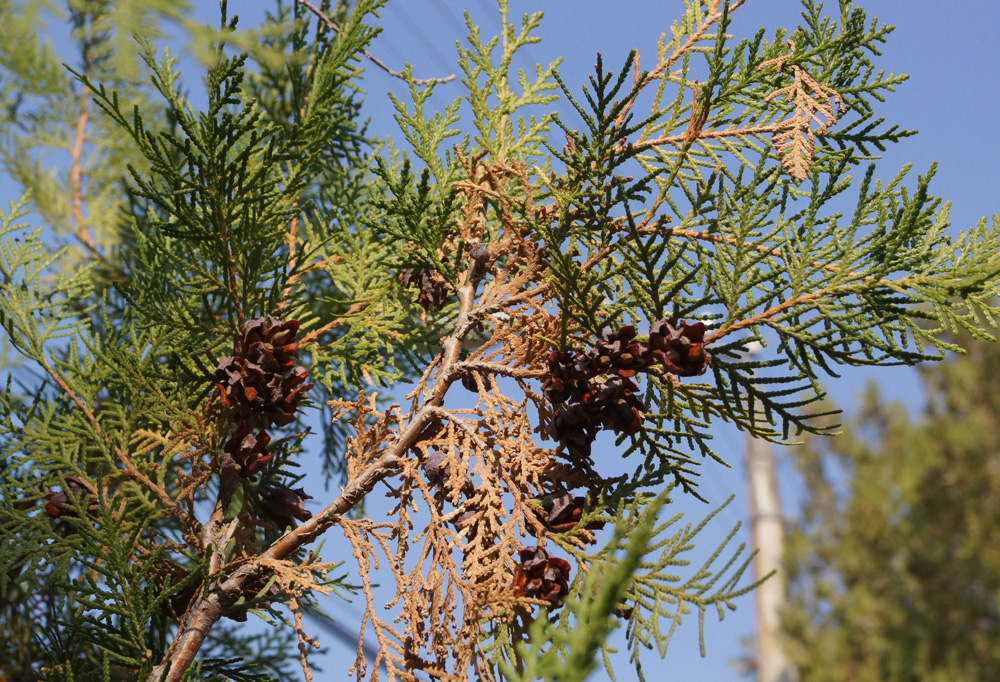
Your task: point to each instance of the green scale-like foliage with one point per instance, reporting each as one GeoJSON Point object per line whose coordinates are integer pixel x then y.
{"type": "Point", "coordinates": [209, 202]}
{"type": "Point", "coordinates": [496, 233]}
{"type": "Point", "coordinates": [761, 255]}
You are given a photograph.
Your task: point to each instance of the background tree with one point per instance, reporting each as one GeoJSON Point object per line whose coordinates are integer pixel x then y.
{"type": "Point", "coordinates": [525, 287]}
{"type": "Point", "coordinates": [894, 566]}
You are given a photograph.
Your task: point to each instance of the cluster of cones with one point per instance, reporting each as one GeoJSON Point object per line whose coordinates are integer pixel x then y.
{"type": "Point", "coordinates": [540, 576]}
{"type": "Point", "coordinates": [595, 390]}
{"type": "Point", "coordinates": [262, 385]}
{"type": "Point", "coordinates": [589, 403]}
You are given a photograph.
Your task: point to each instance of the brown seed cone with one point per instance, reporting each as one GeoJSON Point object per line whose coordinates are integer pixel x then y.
{"type": "Point", "coordinates": [247, 449]}
{"type": "Point", "coordinates": [261, 381]}
{"type": "Point", "coordinates": [263, 386]}
{"type": "Point", "coordinates": [433, 287]}
{"type": "Point", "coordinates": [285, 505]}
{"type": "Point", "coordinates": [541, 577]}
{"type": "Point", "coordinates": [576, 428]}
{"type": "Point", "coordinates": [621, 354]}
{"type": "Point", "coordinates": [562, 513]}
{"type": "Point", "coordinates": [569, 376]}
{"type": "Point", "coordinates": [615, 405]}
{"type": "Point", "coordinates": [680, 350]}
{"type": "Point", "coordinates": [58, 503]}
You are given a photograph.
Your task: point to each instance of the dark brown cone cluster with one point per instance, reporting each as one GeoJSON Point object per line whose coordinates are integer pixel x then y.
{"type": "Point", "coordinates": [433, 287]}
{"type": "Point", "coordinates": [263, 386]}
{"type": "Point", "coordinates": [541, 577]}
{"type": "Point", "coordinates": [589, 404]}
{"type": "Point", "coordinates": [58, 503]}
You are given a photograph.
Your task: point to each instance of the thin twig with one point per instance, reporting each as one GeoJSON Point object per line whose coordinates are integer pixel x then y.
{"type": "Point", "coordinates": [292, 241]}
{"type": "Point", "coordinates": [133, 472]}
{"type": "Point", "coordinates": [710, 19]}
{"type": "Point", "coordinates": [715, 134]}
{"type": "Point", "coordinates": [460, 423]}
{"type": "Point", "coordinates": [781, 307]}
{"type": "Point", "coordinates": [211, 533]}
{"type": "Point", "coordinates": [293, 232]}
{"type": "Point", "coordinates": [766, 314]}
{"type": "Point", "coordinates": [234, 287]}
{"type": "Point", "coordinates": [777, 253]}
{"type": "Point", "coordinates": [222, 593]}
{"type": "Point", "coordinates": [76, 172]}
{"type": "Point", "coordinates": [375, 60]}
{"type": "Point", "coordinates": [329, 326]}
{"type": "Point", "coordinates": [71, 393]}
{"type": "Point", "coordinates": [76, 175]}
{"type": "Point", "coordinates": [470, 366]}
{"type": "Point", "coordinates": [787, 305]}
{"type": "Point", "coordinates": [332, 260]}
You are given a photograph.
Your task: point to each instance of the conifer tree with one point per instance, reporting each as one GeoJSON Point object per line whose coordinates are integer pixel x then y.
{"type": "Point", "coordinates": [894, 565]}
{"type": "Point", "coordinates": [522, 327]}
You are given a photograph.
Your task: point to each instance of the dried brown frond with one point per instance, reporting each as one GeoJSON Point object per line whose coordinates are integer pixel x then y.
{"type": "Point", "coordinates": [304, 639]}
{"type": "Point", "coordinates": [465, 492]}
{"type": "Point", "coordinates": [295, 580]}
{"type": "Point", "coordinates": [371, 428]}
{"type": "Point", "coordinates": [814, 103]}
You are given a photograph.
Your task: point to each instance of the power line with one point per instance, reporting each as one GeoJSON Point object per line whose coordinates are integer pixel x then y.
{"type": "Point", "coordinates": [450, 16]}
{"type": "Point", "coordinates": [428, 45]}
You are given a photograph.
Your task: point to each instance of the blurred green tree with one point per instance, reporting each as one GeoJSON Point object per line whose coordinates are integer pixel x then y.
{"type": "Point", "coordinates": [895, 563]}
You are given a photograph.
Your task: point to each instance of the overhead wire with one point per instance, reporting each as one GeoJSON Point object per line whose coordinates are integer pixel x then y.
{"type": "Point", "coordinates": [415, 30]}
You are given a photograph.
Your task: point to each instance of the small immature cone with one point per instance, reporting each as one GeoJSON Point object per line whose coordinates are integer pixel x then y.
{"type": "Point", "coordinates": [433, 287]}
{"type": "Point", "coordinates": [564, 511]}
{"type": "Point", "coordinates": [436, 468]}
{"type": "Point", "coordinates": [58, 503]}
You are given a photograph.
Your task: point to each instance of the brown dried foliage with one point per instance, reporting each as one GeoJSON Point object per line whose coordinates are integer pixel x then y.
{"type": "Point", "coordinates": [471, 486]}
{"type": "Point", "coordinates": [814, 103]}
{"type": "Point", "coordinates": [473, 473]}
{"type": "Point", "coordinates": [473, 483]}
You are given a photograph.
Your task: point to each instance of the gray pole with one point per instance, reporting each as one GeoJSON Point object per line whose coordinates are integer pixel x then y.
{"type": "Point", "coordinates": [767, 531]}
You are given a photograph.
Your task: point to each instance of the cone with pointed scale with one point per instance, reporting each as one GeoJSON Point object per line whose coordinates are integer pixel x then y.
{"type": "Point", "coordinates": [262, 386]}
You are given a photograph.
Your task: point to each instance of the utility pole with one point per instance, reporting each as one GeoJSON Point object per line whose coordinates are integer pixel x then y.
{"type": "Point", "coordinates": [767, 532]}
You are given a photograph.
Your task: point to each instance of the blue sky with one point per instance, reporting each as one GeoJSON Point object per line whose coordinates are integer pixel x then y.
{"type": "Point", "coordinates": [951, 98]}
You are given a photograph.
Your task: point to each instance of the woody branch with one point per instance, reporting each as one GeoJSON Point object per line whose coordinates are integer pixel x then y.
{"type": "Point", "coordinates": [223, 592]}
